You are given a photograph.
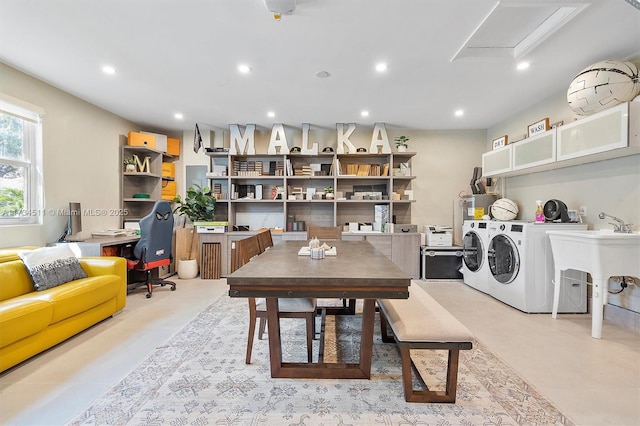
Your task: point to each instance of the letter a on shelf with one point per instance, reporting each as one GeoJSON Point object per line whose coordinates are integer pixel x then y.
{"type": "Point", "coordinates": [380, 139]}
{"type": "Point", "coordinates": [278, 139]}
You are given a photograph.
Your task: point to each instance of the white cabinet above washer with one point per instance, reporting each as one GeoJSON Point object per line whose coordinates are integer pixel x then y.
{"type": "Point", "coordinates": [534, 151]}
{"type": "Point", "coordinates": [497, 161]}
{"type": "Point", "coordinates": [597, 133]}
{"type": "Point", "coordinates": [612, 133]}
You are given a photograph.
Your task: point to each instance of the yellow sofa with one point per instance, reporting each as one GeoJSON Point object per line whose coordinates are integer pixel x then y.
{"type": "Point", "coordinates": [32, 321]}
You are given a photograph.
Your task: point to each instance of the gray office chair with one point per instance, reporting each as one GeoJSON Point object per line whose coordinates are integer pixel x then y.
{"type": "Point", "coordinates": [153, 250]}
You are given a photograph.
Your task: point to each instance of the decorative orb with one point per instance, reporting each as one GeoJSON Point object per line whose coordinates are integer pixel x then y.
{"type": "Point", "coordinates": [603, 85]}
{"type": "Point", "coordinates": [504, 209]}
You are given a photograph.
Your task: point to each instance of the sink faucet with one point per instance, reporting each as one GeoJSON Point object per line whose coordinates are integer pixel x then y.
{"type": "Point", "coordinates": [617, 227]}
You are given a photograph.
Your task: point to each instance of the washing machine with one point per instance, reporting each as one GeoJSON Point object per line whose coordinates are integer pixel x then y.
{"type": "Point", "coordinates": [521, 271]}
{"type": "Point", "coordinates": [474, 254]}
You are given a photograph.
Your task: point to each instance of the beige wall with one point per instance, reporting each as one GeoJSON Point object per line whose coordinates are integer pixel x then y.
{"type": "Point", "coordinates": [81, 158]}
{"type": "Point", "coordinates": [444, 167]}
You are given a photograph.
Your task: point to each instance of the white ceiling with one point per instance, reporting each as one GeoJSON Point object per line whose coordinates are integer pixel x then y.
{"type": "Point", "coordinates": [182, 56]}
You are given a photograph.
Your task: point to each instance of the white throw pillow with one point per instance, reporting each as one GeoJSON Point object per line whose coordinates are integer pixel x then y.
{"type": "Point", "coordinates": [52, 266]}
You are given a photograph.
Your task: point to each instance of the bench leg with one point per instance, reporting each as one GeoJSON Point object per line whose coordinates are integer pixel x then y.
{"type": "Point", "coordinates": [426, 395]}
{"type": "Point", "coordinates": [384, 333]}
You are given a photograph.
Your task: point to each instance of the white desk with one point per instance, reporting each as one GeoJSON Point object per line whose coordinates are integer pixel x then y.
{"type": "Point", "coordinates": [96, 245]}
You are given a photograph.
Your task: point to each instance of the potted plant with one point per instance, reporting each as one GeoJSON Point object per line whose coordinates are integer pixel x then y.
{"type": "Point", "coordinates": [328, 191]}
{"type": "Point", "coordinates": [402, 143]}
{"type": "Point", "coordinates": [130, 165]}
{"type": "Point", "coordinates": [198, 205]}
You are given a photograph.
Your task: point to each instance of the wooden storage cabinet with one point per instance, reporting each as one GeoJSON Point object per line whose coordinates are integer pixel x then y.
{"type": "Point", "coordinates": [294, 174]}
{"type": "Point", "coordinates": [406, 253]}
{"type": "Point", "coordinates": [382, 243]}
{"type": "Point", "coordinates": [230, 175]}
{"type": "Point", "coordinates": [402, 249]}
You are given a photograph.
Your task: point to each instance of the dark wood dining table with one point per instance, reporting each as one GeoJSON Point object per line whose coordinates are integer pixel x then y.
{"type": "Point", "coordinates": [358, 271]}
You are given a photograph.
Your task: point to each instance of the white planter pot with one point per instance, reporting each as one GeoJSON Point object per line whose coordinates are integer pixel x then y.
{"type": "Point", "coordinates": [402, 148]}
{"type": "Point", "coordinates": [187, 269]}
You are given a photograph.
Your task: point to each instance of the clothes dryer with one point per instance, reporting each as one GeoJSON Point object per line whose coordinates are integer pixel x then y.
{"type": "Point", "coordinates": [521, 271]}
{"type": "Point", "coordinates": [474, 254]}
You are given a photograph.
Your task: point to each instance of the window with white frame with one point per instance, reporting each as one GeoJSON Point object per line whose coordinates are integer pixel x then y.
{"type": "Point", "coordinates": [21, 199]}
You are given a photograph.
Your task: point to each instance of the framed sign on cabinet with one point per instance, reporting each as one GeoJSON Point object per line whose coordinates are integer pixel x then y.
{"type": "Point", "coordinates": [500, 142]}
{"type": "Point", "coordinates": [538, 127]}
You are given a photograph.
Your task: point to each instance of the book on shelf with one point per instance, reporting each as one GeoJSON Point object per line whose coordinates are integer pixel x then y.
{"type": "Point", "coordinates": [363, 170]}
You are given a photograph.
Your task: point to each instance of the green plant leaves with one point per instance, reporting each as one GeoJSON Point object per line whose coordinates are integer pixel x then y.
{"type": "Point", "coordinates": [199, 204]}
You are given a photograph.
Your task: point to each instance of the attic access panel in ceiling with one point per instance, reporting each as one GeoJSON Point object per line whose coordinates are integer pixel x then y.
{"type": "Point", "coordinates": [511, 30]}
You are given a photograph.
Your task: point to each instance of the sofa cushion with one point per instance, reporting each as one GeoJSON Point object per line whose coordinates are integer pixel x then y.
{"type": "Point", "coordinates": [14, 280]}
{"type": "Point", "coordinates": [22, 317]}
{"type": "Point", "coordinates": [52, 266]}
{"type": "Point", "coordinates": [81, 295]}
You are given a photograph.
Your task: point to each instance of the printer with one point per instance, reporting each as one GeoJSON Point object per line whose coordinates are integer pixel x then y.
{"type": "Point", "coordinates": [439, 235]}
{"type": "Point", "coordinates": [211, 227]}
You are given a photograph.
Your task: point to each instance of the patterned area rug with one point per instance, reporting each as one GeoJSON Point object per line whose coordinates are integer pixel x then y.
{"type": "Point", "coordinates": [199, 378]}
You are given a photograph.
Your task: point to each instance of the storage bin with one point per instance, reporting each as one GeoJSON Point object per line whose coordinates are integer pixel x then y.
{"type": "Point", "coordinates": [161, 141]}
{"type": "Point", "coordinates": [442, 263]}
{"type": "Point", "coordinates": [169, 189]}
{"type": "Point", "coordinates": [173, 147]}
{"type": "Point", "coordinates": [169, 170]}
{"type": "Point", "coordinates": [141, 139]}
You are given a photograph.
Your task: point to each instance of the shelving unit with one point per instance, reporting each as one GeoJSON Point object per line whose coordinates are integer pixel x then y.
{"type": "Point", "coordinates": [237, 180]}
{"type": "Point", "coordinates": [148, 182]}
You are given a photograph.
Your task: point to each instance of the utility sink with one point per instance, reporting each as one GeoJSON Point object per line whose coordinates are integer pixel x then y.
{"type": "Point", "coordinates": [603, 254]}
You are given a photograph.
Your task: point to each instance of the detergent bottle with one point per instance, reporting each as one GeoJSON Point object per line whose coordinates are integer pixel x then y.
{"type": "Point", "coordinates": [539, 212]}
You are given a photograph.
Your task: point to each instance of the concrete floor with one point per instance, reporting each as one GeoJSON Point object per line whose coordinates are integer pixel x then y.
{"type": "Point", "coordinates": [593, 382]}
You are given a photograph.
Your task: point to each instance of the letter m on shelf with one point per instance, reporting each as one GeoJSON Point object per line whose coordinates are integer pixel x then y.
{"type": "Point", "coordinates": [246, 143]}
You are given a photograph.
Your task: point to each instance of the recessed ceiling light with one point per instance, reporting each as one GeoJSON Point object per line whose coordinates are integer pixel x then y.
{"type": "Point", "coordinates": [178, 116]}
{"type": "Point", "coordinates": [381, 67]}
{"type": "Point", "coordinates": [108, 69]}
{"type": "Point", "coordinates": [244, 69]}
{"type": "Point", "coordinates": [523, 66]}
{"type": "Point", "coordinates": [271, 114]}
{"type": "Point", "coordinates": [322, 74]}
{"type": "Point", "coordinates": [364, 113]}
{"type": "Point", "coordinates": [459, 113]}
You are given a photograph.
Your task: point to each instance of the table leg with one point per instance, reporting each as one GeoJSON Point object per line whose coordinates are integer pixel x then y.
{"type": "Point", "coordinates": [556, 293]}
{"type": "Point", "coordinates": [366, 340]}
{"type": "Point", "coordinates": [321, 370]}
{"type": "Point", "coordinates": [597, 306]}
{"type": "Point", "coordinates": [273, 324]}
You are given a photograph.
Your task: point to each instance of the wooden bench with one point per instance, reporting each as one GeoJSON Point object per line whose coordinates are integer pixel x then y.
{"type": "Point", "coordinates": [420, 322]}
